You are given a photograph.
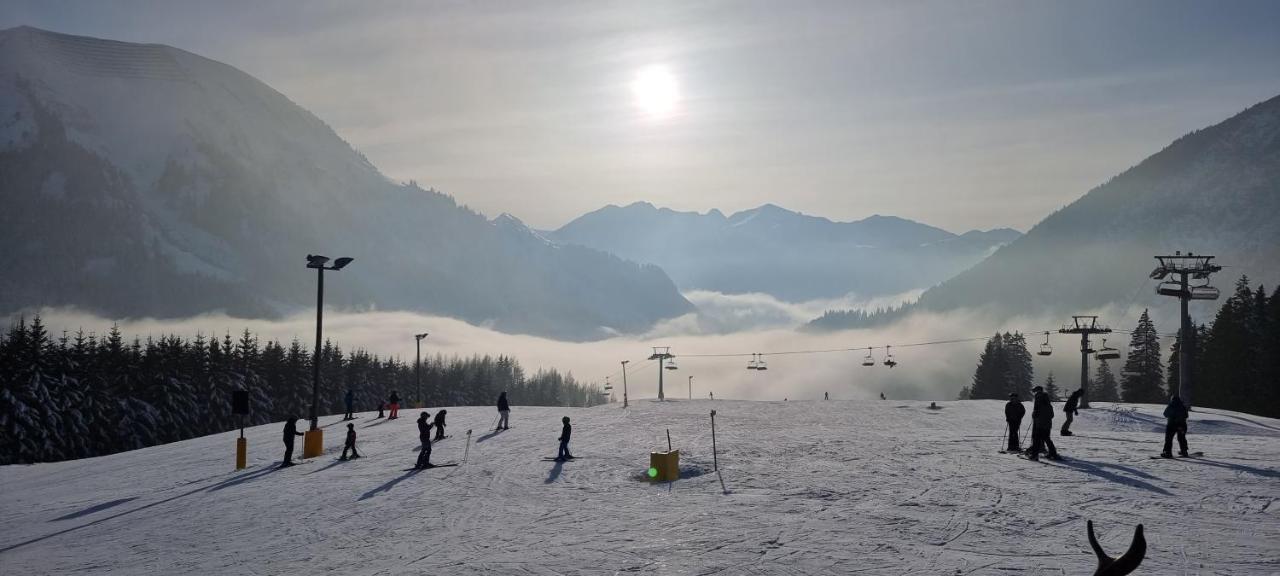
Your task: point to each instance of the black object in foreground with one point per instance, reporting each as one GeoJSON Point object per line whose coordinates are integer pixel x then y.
{"type": "Point", "coordinates": [1108, 566]}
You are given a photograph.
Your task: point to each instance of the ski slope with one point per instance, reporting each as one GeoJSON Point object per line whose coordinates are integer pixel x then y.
{"type": "Point", "coordinates": [809, 487]}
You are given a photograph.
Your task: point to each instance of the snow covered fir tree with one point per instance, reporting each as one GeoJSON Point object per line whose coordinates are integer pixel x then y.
{"type": "Point", "coordinates": [1143, 377]}
{"type": "Point", "coordinates": [1004, 368]}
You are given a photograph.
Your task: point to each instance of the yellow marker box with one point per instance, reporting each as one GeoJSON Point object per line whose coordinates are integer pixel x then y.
{"type": "Point", "coordinates": [667, 464]}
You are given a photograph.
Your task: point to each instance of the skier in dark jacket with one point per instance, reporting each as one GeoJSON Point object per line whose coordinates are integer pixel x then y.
{"type": "Point", "coordinates": [350, 400]}
{"type": "Point", "coordinates": [439, 423]}
{"type": "Point", "coordinates": [394, 401]}
{"type": "Point", "coordinates": [424, 436]}
{"type": "Point", "coordinates": [1042, 426]}
{"type": "Point", "coordinates": [1176, 425]}
{"type": "Point", "coordinates": [1071, 410]}
{"type": "Point", "coordinates": [350, 443]}
{"type": "Point", "coordinates": [290, 432]}
{"type": "Point", "coordinates": [504, 411]}
{"type": "Point", "coordinates": [382, 405]}
{"type": "Point", "coordinates": [1013, 413]}
{"type": "Point", "coordinates": [563, 454]}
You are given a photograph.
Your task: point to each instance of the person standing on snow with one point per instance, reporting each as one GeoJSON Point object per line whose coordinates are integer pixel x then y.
{"type": "Point", "coordinates": [424, 436]}
{"type": "Point", "coordinates": [504, 411]}
{"type": "Point", "coordinates": [1042, 426]}
{"type": "Point", "coordinates": [394, 400]}
{"type": "Point", "coordinates": [563, 453]}
{"type": "Point", "coordinates": [1071, 410]}
{"type": "Point", "coordinates": [439, 423]}
{"type": "Point", "coordinates": [350, 444]}
{"type": "Point", "coordinates": [290, 432]}
{"type": "Point", "coordinates": [350, 400]}
{"type": "Point", "coordinates": [1013, 413]}
{"type": "Point", "coordinates": [382, 405]}
{"type": "Point", "coordinates": [1176, 425]}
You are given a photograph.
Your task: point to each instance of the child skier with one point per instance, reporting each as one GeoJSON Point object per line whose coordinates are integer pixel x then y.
{"type": "Point", "coordinates": [350, 400]}
{"type": "Point", "coordinates": [1071, 410]}
{"type": "Point", "coordinates": [439, 423]}
{"type": "Point", "coordinates": [290, 432]}
{"type": "Point", "coordinates": [563, 454]}
{"type": "Point", "coordinates": [382, 405]}
{"type": "Point", "coordinates": [424, 436]}
{"type": "Point", "coordinates": [350, 444]}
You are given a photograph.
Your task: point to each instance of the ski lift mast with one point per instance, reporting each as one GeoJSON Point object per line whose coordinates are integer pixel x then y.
{"type": "Point", "coordinates": [1084, 326]}
{"type": "Point", "coordinates": [1184, 267]}
{"type": "Point", "coordinates": [662, 354]}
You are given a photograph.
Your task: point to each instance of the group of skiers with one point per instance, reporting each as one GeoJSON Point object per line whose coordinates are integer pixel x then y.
{"type": "Point", "coordinates": [1042, 423]}
{"type": "Point", "coordinates": [425, 424]}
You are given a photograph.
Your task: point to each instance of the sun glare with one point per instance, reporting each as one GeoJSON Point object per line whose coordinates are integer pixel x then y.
{"type": "Point", "coordinates": [655, 91]}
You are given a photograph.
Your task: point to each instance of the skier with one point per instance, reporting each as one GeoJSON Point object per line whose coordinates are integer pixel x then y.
{"type": "Point", "coordinates": [826, 396]}
{"type": "Point", "coordinates": [394, 400]}
{"type": "Point", "coordinates": [1071, 411]}
{"type": "Point", "coordinates": [382, 405]}
{"type": "Point", "coordinates": [1013, 413]}
{"type": "Point", "coordinates": [424, 436]}
{"type": "Point", "coordinates": [504, 410]}
{"type": "Point", "coordinates": [350, 444]}
{"type": "Point", "coordinates": [1041, 426]}
{"type": "Point", "coordinates": [563, 453]}
{"type": "Point", "coordinates": [290, 432]}
{"type": "Point", "coordinates": [882, 395]}
{"type": "Point", "coordinates": [1176, 425]}
{"type": "Point", "coordinates": [712, 395]}
{"type": "Point", "coordinates": [439, 423]}
{"type": "Point", "coordinates": [350, 400]}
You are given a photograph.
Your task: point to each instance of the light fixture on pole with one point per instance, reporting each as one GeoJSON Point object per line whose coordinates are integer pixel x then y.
{"type": "Point", "coordinates": [417, 367]}
{"type": "Point", "coordinates": [313, 442]}
{"type": "Point", "coordinates": [624, 383]}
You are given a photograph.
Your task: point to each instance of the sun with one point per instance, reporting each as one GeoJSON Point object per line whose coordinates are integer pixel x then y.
{"type": "Point", "coordinates": [656, 91]}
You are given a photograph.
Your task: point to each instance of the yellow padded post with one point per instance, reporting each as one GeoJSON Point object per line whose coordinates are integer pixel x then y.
{"type": "Point", "coordinates": [667, 464]}
{"type": "Point", "coordinates": [242, 453]}
{"type": "Point", "coordinates": [313, 443]}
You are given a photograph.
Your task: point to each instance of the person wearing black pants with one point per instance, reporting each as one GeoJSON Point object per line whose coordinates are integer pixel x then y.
{"type": "Point", "coordinates": [350, 400]}
{"type": "Point", "coordinates": [1176, 425]}
{"type": "Point", "coordinates": [424, 436]}
{"type": "Point", "coordinates": [439, 423]}
{"type": "Point", "coordinates": [290, 432]}
{"type": "Point", "coordinates": [563, 453]}
{"type": "Point", "coordinates": [1042, 426]}
{"type": "Point", "coordinates": [1071, 410]}
{"type": "Point", "coordinates": [350, 444]}
{"type": "Point", "coordinates": [1013, 413]}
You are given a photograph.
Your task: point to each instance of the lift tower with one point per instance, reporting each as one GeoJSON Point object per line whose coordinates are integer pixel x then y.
{"type": "Point", "coordinates": [1084, 326]}
{"type": "Point", "coordinates": [1184, 267]}
{"type": "Point", "coordinates": [662, 354]}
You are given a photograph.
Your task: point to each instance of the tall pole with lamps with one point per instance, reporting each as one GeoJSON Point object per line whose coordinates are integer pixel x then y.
{"type": "Point", "coordinates": [313, 441]}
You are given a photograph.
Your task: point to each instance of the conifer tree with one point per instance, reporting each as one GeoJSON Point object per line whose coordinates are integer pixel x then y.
{"type": "Point", "coordinates": [1142, 379]}
{"type": "Point", "coordinates": [1051, 388]}
{"type": "Point", "coordinates": [1104, 384]}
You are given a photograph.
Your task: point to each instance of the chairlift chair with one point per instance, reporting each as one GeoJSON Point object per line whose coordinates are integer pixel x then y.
{"type": "Point", "coordinates": [1204, 291]}
{"type": "Point", "coordinates": [868, 361]}
{"type": "Point", "coordinates": [1169, 288]}
{"type": "Point", "coordinates": [671, 364]}
{"type": "Point", "coordinates": [753, 364]}
{"type": "Point", "coordinates": [1107, 352]}
{"type": "Point", "coordinates": [760, 364]}
{"type": "Point", "coordinates": [888, 358]}
{"type": "Point", "coordinates": [1045, 349]}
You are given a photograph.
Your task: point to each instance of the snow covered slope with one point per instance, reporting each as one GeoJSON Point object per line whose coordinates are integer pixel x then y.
{"type": "Point", "coordinates": [806, 488]}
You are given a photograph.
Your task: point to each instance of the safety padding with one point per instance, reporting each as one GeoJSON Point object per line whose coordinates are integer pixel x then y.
{"type": "Point", "coordinates": [667, 464]}
{"type": "Point", "coordinates": [242, 453]}
{"type": "Point", "coordinates": [313, 443]}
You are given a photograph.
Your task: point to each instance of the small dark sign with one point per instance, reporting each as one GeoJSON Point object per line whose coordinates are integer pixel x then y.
{"type": "Point", "coordinates": [240, 402]}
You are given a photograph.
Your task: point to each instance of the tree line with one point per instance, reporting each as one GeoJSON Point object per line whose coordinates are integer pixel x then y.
{"type": "Point", "coordinates": [79, 395]}
{"type": "Point", "coordinates": [1234, 361]}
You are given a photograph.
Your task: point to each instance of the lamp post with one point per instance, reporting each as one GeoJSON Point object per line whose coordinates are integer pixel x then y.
{"type": "Point", "coordinates": [417, 366]}
{"type": "Point", "coordinates": [691, 387]}
{"type": "Point", "coordinates": [313, 443]}
{"type": "Point", "coordinates": [624, 383]}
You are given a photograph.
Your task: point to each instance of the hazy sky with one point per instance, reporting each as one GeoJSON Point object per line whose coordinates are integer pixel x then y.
{"type": "Point", "coordinates": [958, 114]}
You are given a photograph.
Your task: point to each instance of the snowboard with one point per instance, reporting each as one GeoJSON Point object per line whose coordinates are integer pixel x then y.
{"type": "Point", "coordinates": [1189, 455]}
{"type": "Point", "coordinates": [553, 459]}
{"type": "Point", "coordinates": [1042, 459]}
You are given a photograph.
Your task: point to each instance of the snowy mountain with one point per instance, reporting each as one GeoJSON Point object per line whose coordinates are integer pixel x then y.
{"type": "Point", "coordinates": [1215, 191]}
{"type": "Point", "coordinates": [793, 256]}
{"type": "Point", "coordinates": [142, 180]}
{"type": "Point", "coordinates": [804, 487]}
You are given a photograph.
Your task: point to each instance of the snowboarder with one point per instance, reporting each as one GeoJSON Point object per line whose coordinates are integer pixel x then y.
{"type": "Point", "coordinates": [424, 436]}
{"type": "Point", "coordinates": [1041, 426]}
{"type": "Point", "coordinates": [1071, 410]}
{"type": "Point", "coordinates": [350, 444]}
{"type": "Point", "coordinates": [1013, 413]}
{"type": "Point", "coordinates": [382, 405]}
{"type": "Point", "coordinates": [504, 410]}
{"type": "Point", "coordinates": [563, 453]}
{"type": "Point", "coordinates": [290, 432]}
{"type": "Point", "coordinates": [1176, 425]}
{"type": "Point", "coordinates": [439, 423]}
{"type": "Point", "coordinates": [394, 400]}
{"type": "Point", "coordinates": [350, 400]}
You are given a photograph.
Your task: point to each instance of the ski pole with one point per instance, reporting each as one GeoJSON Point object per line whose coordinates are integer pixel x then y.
{"type": "Point", "coordinates": [495, 421]}
{"type": "Point", "coordinates": [1004, 435]}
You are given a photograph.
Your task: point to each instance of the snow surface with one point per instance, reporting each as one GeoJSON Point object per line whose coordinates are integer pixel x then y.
{"type": "Point", "coordinates": [810, 487]}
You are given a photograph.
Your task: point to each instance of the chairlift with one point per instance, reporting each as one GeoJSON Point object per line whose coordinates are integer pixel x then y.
{"type": "Point", "coordinates": [868, 361]}
{"type": "Point", "coordinates": [1107, 352]}
{"type": "Point", "coordinates": [1045, 349]}
{"type": "Point", "coordinates": [753, 364]}
{"type": "Point", "coordinates": [671, 364]}
{"type": "Point", "coordinates": [888, 358]}
{"type": "Point", "coordinates": [1170, 288]}
{"type": "Point", "coordinates": [1204, 291]}
{"type": "Point", "coordinates": [760, 364]}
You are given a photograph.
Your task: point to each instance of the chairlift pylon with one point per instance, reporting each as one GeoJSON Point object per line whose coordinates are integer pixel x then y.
{"type": "Point", "coordinates": [1045, 349]}
{"type": "Point", "coordinates": [888, 358]}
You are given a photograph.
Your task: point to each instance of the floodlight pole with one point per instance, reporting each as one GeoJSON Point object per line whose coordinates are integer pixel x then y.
{"type": "Point", "coordinates": [624, 383]}
{"type": "Point", "coordinates": [417, 366]}
{"type": "Point", "coordinates": [315, 363]}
